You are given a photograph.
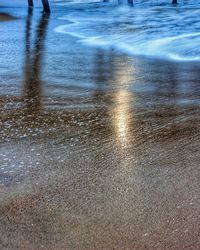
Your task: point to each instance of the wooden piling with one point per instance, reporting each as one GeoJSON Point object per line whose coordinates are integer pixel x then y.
{"type": "Point", "coordinates": [30, 3]}
{"type": "Point", "coordinates": [46, 6]}
{"type": "Point", "coordinates": [130, 2]}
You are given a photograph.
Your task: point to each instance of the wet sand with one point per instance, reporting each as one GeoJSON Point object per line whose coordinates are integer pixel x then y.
{"type": "Point", "coordinates": [98, 150]}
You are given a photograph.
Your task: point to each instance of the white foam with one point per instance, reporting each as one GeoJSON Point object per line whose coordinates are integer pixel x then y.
{"type": "Point", "coordinates": [177, 43]}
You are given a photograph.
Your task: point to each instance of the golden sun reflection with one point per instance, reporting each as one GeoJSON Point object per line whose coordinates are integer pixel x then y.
{"type": "Point", "coordinates": [121, 115]}
{"type": "Point", "coordinates": [122, 111]}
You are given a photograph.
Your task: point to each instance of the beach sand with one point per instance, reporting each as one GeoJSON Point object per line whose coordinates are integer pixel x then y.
{"type": "Point", "coordinates": [98, 150]}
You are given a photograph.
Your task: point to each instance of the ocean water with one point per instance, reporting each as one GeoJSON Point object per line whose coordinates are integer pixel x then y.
{"type": "Point", "coordinates": [155, 29]}
{"type": "Point", "coordinates": [95, 46]}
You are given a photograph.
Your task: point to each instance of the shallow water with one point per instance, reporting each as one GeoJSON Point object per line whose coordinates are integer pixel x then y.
{"type": "Point", "coordinates": [156, 29]}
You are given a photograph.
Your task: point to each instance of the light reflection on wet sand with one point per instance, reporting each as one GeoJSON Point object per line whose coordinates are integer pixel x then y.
{"type": "Point", "coordinates": [116, 170]}
{"type": "Point", "coordinates": [121, 111]}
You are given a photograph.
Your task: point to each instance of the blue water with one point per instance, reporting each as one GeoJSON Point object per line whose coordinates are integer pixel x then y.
{"type": "Point", "coordinates": [149, 28]}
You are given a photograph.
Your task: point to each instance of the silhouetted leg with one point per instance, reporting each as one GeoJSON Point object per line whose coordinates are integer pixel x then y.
{"type": "Point", "coordinates": [174, 1]}
{"type": "Point", "coordinates": [46, 6]}
{"type": "Point", "coordinates": [30, 3]}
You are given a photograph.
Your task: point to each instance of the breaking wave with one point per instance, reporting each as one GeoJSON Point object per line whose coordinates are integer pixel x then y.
{"type": "Point", "coordinates": [161, 32]}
